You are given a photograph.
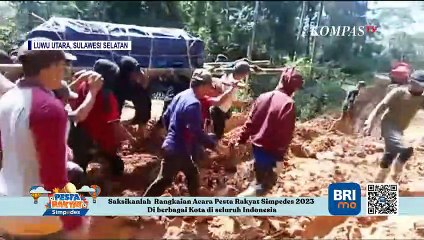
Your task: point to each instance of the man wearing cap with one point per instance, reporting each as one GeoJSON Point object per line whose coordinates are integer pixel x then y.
{"type": "Point", "coordinates": [270, 128]}
{"type": "Point", "coordinates": [183, 121]}
{"type": "Point", "coordinates": [221, 58]}
{"type": "Point", "coordinates": [133, 85]}
{"type": "Point", "coordinates": [221, 113]}
{"type": "Point", "coordinates": [399, 107]}
{"type": "Point", "coordinates": [33, 125]}
{"type": "Point", "coordinates": [102, 125]}
{"type": "Point", "coordinates": [6, 59]}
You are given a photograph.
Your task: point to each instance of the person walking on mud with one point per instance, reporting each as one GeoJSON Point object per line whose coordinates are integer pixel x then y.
{"type": "Point", "coordinates": [102, 124]}
{"type": "Point", "coordinates": [65, 95]}
{"type": "Point", "coordinates": [133, 85]}
{"type": "Point", "coordinates": [183, 121]}
{"type": "Point", "coordinates": [270, 128]}
{"type": "Point", "coordinates": [345, 120]}
{"type": "Point", "coordinates": [33, 124]}
{"type": "Point", "coordinates": [400, 106]}
{"type": "Point", "coordinates": [221, 113]}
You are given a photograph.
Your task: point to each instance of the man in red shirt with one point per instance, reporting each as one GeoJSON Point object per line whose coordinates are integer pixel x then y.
{"type": "Point", "coordinates": [270, 127]}
{"type": "Point", "coordinates": [102, 126]}
{"type": "Point", "coordinates": [33, 125]}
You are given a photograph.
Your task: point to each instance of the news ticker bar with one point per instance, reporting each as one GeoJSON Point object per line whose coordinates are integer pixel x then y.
{"type": "Point", "coordinates": [119, 206]}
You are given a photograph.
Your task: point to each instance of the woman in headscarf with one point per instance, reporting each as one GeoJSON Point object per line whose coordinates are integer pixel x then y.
{"type": "Point", "coordinates": [102, 125]}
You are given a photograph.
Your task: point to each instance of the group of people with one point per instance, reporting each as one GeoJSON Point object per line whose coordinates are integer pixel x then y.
{"type": "Point", "coordinates": [49, 128]}
{"type": "Point", "coordinates": [401, 103]}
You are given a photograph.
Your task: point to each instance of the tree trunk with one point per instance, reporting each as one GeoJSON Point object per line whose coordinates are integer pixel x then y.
{"type": "Point", "coordinates": [299, 31]}
{"type": "Point", "coordinates": [302, 20]}
{"type": "Point", "coordinates": [308, 40]}
{"type": "Point", "coordinates": [321, 7]}
{"type": "Point", "coordinates": [252, 41]}
{"type": "Point", "coordinates": [318, 23]}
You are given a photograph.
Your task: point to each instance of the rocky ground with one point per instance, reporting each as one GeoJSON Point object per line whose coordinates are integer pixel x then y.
{"type": "Point", "coordinates": [317, 158]}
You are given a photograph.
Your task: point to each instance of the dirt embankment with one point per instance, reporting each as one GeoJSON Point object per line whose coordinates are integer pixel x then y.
{"type": "Point", "coordinates": [317, 158]}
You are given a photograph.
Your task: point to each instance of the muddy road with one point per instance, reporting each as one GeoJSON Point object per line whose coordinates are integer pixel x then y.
{"type": "Point", "coordinates": [318, 157]}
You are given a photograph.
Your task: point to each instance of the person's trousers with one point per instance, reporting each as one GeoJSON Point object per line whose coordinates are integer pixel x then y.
{"type": "Point", "coordinates": [76, 174]}
{"type": "Point", "coordinates": [218, 119]}
{"type": "Point", "coordinates": [198, 153]}
{"type": "Point", "coordinates": [394, 146]}
{"type": "Point", "coordinates": [81, 144]}
{"type": "Point", "coordinates": [264, 165]}
{"type": "Point", "coordinates": [170, 166]}
{"type": "Point", "coordinates": [83, 148]}
{"type": "Point", "coordinates": [142, 105]}
{"type": "Point", "coordinates": [160, 123]}
{"type": "Point", "coordinates": [53, 236]}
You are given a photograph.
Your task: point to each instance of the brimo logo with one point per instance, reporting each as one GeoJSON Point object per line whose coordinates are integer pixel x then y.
{"type": "Point", "coordinates": [339, 31]}
{"type": "Point", "coordinates": [344, 199]}
{"type": "Point", "coordinates": [349, 195]}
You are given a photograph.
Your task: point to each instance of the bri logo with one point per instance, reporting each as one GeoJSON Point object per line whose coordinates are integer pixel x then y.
{"type": "Point", "coordinates": [344, 199]}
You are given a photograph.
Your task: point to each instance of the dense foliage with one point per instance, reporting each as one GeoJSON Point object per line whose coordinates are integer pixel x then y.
{"type": "Point", "coordinates": [280, 34]}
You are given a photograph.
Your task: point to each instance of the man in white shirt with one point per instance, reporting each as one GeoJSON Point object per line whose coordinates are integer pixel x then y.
{"type": "Point", "coordinates": [221, 113]}
{"type": "Point", "coordinates": [5, 85]}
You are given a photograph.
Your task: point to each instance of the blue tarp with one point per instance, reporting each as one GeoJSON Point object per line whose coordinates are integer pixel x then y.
{"type": "Point", "coordinates": [152, 47]}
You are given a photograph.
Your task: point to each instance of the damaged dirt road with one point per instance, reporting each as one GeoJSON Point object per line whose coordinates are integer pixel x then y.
{"type": "Point", "coordinates": [317, 158]}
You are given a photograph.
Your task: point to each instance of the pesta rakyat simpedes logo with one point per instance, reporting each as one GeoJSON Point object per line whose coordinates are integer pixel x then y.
{"type": "Point", "coordinates": [340, 31]}
{"type": "Point", "coordinates": [67, 201]}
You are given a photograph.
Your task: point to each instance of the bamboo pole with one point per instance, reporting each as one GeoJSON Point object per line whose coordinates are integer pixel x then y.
{"type": "Point", "coordinates": [38, 17]}
{"type": "Point", "coordinates": [302, 20]}
{"type": "Point", "coordinates": [321, 7]}
{"type": "Point", "coordinates": [252, 40]}
{"type": "Point", "coordinates": [259, 63]}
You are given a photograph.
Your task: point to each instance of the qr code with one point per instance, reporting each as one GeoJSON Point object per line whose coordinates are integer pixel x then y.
{"type": "Point", "coordinates": [382, 199]}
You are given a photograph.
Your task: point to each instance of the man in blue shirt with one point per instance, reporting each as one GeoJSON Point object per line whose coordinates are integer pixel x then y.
{"type": "Point", "coordinates": [183, 121]}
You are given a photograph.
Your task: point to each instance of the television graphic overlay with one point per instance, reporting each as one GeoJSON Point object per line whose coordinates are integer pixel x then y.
{"type": "Point", "coordinates": [66, 202]}
{"type": "Point", "coordinates": [344, 199]}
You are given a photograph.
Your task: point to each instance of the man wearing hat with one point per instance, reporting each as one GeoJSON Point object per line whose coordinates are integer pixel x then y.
{"type": "Point", "coordinates": [11, 75]}
{"type": "Point", "coordinates": [33, 125]}
{"type": "Point", "coordinates": [221, 58]}
{"type": "Point", "coordinates": [183, 121]}
{"type": "Point", "coordinates": [399, 107]}
{"type": "Point", "coordinates": [220, 113]}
